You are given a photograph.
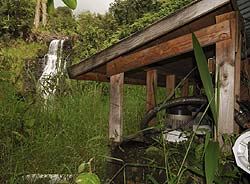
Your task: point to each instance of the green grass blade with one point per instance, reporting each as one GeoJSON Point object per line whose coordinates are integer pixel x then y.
{"type": "Point", "coordinates": [150, 178]}
{"type": "Point", "coordinates": [205, 75]}
{"type": "Point", "coordinates": [211, 161]}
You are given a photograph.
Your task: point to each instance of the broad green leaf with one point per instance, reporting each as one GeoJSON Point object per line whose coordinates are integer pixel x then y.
{"type": "Point", "coordinates": [50, 6]}
{"type": "Point", "coordinates": [207, 139]}
{"type": "Point", "coordinates": [211, 161]}
{"type": "Point", "coordinates": [88, 178]}
{"type": "Point", "coordinates": [205, 75]}
{"type": "Point", "coordinates": [71, 3]}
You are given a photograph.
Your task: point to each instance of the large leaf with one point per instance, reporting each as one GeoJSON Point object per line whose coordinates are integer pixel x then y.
{"type": "Point", "coordinates": [205, 75]}
{"type": "Point", "coordinates": [88, 178]}
{"type": "Point", "coordinates": [50, 6]}
{"type": "Point", "coordinates": [71, 3]}
{"type": "Point", "coordinates": [211, 161]}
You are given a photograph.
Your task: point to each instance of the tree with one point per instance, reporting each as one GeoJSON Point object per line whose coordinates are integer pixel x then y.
{"type": "Point", "coordinates": [127, 11]}
{"type": "Point", "coordinates": [16, 17]}
{"type": "Point", "coordinates": [47, 6]}
{"type": "Point", "coordinates": [62, 21]}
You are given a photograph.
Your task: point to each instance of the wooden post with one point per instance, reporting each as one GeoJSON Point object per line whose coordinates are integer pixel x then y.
{"type": "Point", "coordinates": [151, 92]}
{"type": "Point", "coordinates": [237, 73]}
{"type": "Point", "coordinates": [185, 88]}
{"type": "Point", "coordinates": [225, 58]}
{"type": "Point", "coordinates": [170, 83]}
{"type": "Point", "coordinates": [211, 65]}
{"type": "Point", "coordinates": [116, 110]}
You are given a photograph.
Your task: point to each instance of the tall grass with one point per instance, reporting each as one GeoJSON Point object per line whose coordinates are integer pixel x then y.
{"type": "Point", "coordinates": [59, 136]}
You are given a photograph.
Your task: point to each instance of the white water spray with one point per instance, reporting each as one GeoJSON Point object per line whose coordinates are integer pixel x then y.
{"type": "Point", "coordinates": [54, 69]}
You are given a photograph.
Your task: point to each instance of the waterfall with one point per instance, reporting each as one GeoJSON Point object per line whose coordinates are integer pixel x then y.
{"type": "Point", "coordinates": [53, 70]}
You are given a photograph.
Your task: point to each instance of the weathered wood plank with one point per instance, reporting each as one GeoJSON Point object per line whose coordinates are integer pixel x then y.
{"type": "Point", "coordinates": [150, 33]}
{"type": "Point", "coordinates": [92, 76]}
{"type": "Point", "coordinates": [211, 65]}
{"type": "Point", "coordinates": [238, 73]}
{"type": "Point", "coordinates": [151, 92]}
{"type": "Point", "coordinates": [180, 45]}
{"type": "Point", "coordinates": [116, 108]}
{"type": "Point", "coordinates": [170, 83]}
{"type": "Point", "coordinates": [225, 57]}
{"type": "Point", "coordinates": [185, 88]}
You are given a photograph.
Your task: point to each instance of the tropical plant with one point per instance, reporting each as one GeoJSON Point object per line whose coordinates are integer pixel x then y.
{"type": "Point", "coordinates": [47, 6]}
{"type": "Point", "coordinates": [87, 177]}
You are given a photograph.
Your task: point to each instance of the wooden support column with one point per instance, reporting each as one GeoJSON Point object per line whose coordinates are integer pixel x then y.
{"type": "Point", "coordinates": [237, 73]}
{"type": "Point", "coordinates": [151, 92]}
{"type": "Point", "coordinates": [211, 65]}
{"type": "Point", "coordinates": [185, 88]}
{"type": "Point", "coordinates": [225, 58]}
{"type": "Point", "coordinates": [116, 110]}
{"type": "Point", "coordinates": [170, 83]}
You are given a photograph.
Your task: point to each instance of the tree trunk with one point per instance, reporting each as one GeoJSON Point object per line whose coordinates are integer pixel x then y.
{"type": "Point", "coordinates": [44, 12]}
{"type": "Point", "coordinates": [37, 14]}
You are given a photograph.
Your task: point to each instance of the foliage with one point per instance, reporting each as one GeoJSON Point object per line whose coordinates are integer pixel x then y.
{"type": "Point", "coordinates": [205, 76]}
{"type": "Point", "coordinates": [127, 12]}
{"type": "Point", "coordinates": [62, 21]}
{"type": "Point", "coordinates": [164, 8]}
{"type": "Point", "coordinates": [71, 4]}
{"type": "Point", "coordinates": [212, 147]}
{"type": "Point", "coordinates": [56, 138]}
{"type": "Point", "coordinates": [13, 61]}
{"type": "Point", "coordinates": [87, 177]}
{"type": "Point", "coordinates": [95, 32]}
{"type": "Point", "coordinates": [16, 18]}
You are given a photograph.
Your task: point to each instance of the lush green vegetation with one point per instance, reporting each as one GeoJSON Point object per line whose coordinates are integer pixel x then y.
{"type": "Point", "coordinates": [72, 128]}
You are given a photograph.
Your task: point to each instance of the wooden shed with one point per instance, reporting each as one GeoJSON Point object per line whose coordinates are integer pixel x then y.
{"type": "Point", "coordinates": [162, 54]}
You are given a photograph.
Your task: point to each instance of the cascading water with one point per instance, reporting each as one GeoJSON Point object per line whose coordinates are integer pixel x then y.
{"type": "Point", "coordinates": [54, 69]}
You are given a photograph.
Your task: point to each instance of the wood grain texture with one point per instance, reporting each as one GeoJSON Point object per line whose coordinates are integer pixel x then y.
{"type": "Point", "coordinates": [211, 65]}
{"type": "Point", "coordinates": [151, 92]}
{"type": "Point", "coordinates": [94, 76]}
{"type": "Point", "coordinates": [185, 88]}
{"type": "Point", "coordinates": [225, 58]}
{"type": "Point", "coordinates": [116, 108]}
{"type": "Point", "coordinates": [170, 83]}
{"type": "Point", "coordinates": [238, 73]}
{"type": "Point", "coordinates": [146, 35]}
{"type": "Point", "coordinates": [171, 48]}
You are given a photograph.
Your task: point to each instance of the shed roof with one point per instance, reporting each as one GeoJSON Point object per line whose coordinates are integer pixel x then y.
{"type": "Point", "coordinates": [197, 15]}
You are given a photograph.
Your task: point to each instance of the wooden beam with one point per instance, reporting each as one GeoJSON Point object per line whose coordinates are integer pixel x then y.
{"type": "Point", "coordinates": [92, 76]}
{"type": "Point", "coordinates": [116, 108]}
{"type": "Point", "coordinates": [225, 58]}
{"type": "Point", "coordinates": [167, 24]}
{"type": "Point", "coordinates": [151, 92]}
{"type": "Point", "coordinates": [170, 83]}
{"type": "Point", "coordinates": [180, 45]}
